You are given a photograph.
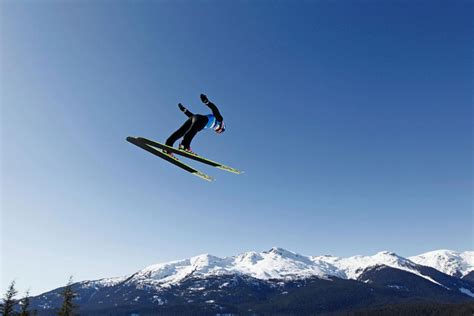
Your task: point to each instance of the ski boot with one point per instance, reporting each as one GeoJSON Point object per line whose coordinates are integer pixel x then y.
{"type": "Point", "coordinates": [169, 153]}
{"type": "Point", "coordinates": [188, 150]}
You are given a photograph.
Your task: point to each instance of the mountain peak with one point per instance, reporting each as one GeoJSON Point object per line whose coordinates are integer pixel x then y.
{"type": "Point", "coordinates": [204, 260]}
{"type": "Point", "coordinates": [278, 250]}
{"type": "Point", "coordinates": [447, 261]}
{"type": "Point", "coordinates": [387, 253]}
{"type": "Point", "coordinates": [441, 252]}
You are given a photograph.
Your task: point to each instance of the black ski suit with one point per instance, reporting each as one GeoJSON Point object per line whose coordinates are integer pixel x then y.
{"type": "Point", "coordinates": [194, 124]}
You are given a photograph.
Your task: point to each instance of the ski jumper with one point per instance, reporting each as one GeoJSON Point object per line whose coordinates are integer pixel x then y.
{"type": "Point", "coordinates": [194, 124]}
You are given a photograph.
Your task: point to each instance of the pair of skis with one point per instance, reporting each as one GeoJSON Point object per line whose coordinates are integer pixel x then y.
{"type": "Point", "coordinates": [157, 149]}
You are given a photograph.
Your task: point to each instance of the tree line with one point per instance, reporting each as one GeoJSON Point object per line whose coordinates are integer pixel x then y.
{"type": "Point", "coordinates": [11, 306]}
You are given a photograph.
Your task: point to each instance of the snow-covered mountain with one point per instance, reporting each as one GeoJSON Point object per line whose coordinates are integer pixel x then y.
{"type": "Point", "coordinates": [211, 283]}
{"type": "Point", "coordinates": [278, 263]}
{"type": "Point", "coordinates": [453, 263]}
{"type": "Point", "coordinates": [352, 267]}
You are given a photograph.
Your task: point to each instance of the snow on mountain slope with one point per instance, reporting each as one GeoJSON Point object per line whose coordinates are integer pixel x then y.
{"type": "Point", "coordinates": [278, 263]}
{"type": "Point", "coordinates": [453, 263]}
{"type": "Point", "coordinates": [353, 267]}
{"type": "Point", "coordinates": [108, 282]}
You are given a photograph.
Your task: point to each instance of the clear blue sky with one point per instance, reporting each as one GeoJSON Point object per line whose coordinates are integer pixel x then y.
{"type": "Point", "coordinates": [352, 120]}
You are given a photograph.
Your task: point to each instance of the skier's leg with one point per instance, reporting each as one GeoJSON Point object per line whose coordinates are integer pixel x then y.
{"type": "Point", "coordinates": [179, 132]}
{"type": "Point", "coordinates": [197, 124]}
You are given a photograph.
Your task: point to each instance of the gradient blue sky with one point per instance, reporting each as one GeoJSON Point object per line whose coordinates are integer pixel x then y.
{"type": "Point", "coordinates": [352, 120]}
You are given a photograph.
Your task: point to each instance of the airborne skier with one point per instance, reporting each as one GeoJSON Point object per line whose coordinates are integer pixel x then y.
{"type": "Point", "coordinates": [194, 124]}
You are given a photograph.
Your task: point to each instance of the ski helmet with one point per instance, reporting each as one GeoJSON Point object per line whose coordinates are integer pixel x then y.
{"type": "Point", "coordinates": [220, 128]}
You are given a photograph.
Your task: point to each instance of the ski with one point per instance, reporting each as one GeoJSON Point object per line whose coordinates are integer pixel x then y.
{"type": "Point", "coordinates": [140, 143]}
{"type": "Point", "coordinates": [190, 156]}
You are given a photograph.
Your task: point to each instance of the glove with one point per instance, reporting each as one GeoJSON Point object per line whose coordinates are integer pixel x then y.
{"type": "Point", "coordinates": [181, 107]}
{"type": "Point", "coordinates": [204, 99]}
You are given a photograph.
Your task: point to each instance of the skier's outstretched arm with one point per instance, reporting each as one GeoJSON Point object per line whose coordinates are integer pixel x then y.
{"type": "Point", "coordinates": [184, 110]}
{"type": "Point", "coordinates": [213, 107]}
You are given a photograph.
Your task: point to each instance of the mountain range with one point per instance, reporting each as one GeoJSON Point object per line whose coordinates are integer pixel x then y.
{"type": "Point", "coordinates": [278, 281]}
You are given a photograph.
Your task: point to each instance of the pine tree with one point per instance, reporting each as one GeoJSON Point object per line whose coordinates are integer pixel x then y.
{"type": "Point", "coordinates": [67, 309]}
{"type": "Point", "coordinates": [6, 308]}
{"type": "Point", "coordinates": [25, 303]}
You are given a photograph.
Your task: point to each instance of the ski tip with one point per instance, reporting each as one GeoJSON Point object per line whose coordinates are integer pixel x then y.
{"type": "Point", "coordinates": [204, 176]}
{"type": "Point", "coordinates": [129, 138]}
{"type": "Point", "coordinates": [229, 169]}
